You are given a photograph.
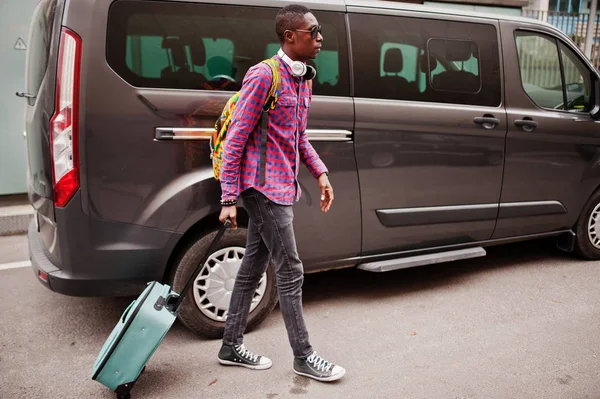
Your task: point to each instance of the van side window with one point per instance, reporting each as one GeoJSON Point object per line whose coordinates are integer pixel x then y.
{"type": "Point", "coordinates": [211, 47]}
{"type": "Point", "coordinates": [421, 59]}
{"type": "Point", "coordinates": [577, 81]}
{"type": "Point", "coordinates": [327, 65]}
{"type": "Point", "coordinates": [541, 58]}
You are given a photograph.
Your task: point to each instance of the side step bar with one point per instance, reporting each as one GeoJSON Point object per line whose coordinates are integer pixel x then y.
{"type": "Point", "coordinates": [420, 260]}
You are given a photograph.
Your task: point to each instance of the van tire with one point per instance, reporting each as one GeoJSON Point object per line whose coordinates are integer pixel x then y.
{"type": "Point", "coordinates": [584, 246]}
{"type": "Point", "coordinates": [190, 315]}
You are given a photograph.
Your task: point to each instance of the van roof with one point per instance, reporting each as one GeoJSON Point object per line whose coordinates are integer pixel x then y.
{"type": "Point", "coordinates": [340, 5]}
{"type": "Point", "coordinates": [391, 5]}
{"type": "Point", "coordinates": [397, 5]}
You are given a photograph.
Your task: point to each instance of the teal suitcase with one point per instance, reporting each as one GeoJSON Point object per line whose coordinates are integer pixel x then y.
{"type": "Point", "coordinates": [140, 331]}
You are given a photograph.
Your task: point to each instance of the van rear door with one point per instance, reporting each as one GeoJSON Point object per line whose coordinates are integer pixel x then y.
{"type": "Point", "coordinates": [40, 92]}
{"type": "Point", "coordinates": [151, 105]}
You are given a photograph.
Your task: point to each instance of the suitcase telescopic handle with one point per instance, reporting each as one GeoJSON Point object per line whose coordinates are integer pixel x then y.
{"type": "Point", "coordinates": [126, 312]}
{"type": "Point", "coordinates": [210, 250]}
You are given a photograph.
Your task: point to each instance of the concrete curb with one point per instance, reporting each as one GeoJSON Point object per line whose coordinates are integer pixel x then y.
{"type": "Point", "coordinates": [15, 219]}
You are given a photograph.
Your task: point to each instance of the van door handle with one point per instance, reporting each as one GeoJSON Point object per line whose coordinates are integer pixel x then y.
{"type": "Point", "coordinates": [488, 121]}
{"type": "Point", "coordinates": [25, 95]}
{"type": "Point", "coordinates": [526, 124]}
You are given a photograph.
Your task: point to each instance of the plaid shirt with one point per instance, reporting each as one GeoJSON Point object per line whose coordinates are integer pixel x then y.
{"type": "Point", "coordinates": [287, 143]}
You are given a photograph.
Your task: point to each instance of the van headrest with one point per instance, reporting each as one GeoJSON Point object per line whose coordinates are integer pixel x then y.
{"type": "Point", "coordinates": [458, 50]}
{"type": "Point", "coordinates": [393, 61]}
{"type": "Point", "coordinates": [197, 49]}
{"type": "Point", "coordinates": [177, 50]}
{"type": "Point", "coordinates": [423, 63]}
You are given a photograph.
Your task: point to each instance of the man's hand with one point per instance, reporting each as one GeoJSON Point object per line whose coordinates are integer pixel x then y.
{"type": "Point", "coordinates": [326, 192]}
{"type": "Point", "coordinates": [229, 212]}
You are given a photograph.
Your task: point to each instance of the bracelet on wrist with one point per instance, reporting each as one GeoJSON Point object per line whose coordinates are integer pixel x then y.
{"type": "Point", "coordinates": [228, 202]}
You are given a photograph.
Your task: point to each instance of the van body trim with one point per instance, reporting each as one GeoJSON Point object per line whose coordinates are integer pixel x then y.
{"type": "Point", "coordinates": [436, 215]}
{"type": "Point", "coordinates": [467, 213]}
{"type": "Point", "coordinates": [193, 133]}
{"type": "Point", "coordinates": [532, 208]}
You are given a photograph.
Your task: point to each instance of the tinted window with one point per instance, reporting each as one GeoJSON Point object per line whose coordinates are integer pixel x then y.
{"type": "Point", "coordinates": [210, 47]}
{"type": "Point", "coordinates": [40, 35]}
{"type": "Point", "coordinates": [462, 57]}
{"type": "Point", "coordinates": [540, 60]}
{"type": "Point", "coordinates": [578, 81]}
{"type": "Point", "coordinates": [425, 60]}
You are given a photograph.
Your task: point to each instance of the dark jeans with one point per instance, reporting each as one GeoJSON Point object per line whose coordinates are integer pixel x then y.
{"type": "Point", "coordinates": [270, 232]}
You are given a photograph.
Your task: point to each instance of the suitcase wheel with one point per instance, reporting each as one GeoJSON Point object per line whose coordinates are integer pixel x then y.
{"type": "Point", "coordinates": [124, 396]}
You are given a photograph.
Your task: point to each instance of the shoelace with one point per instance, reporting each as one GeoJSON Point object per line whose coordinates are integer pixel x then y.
{"type": "Point", "coordinates": [246, 353]}
{"type": "Point", "coordinates": [319, 363]}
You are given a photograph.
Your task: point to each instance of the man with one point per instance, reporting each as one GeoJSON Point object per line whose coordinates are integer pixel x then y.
{"type": "Point", "coordinates": [269, 205]}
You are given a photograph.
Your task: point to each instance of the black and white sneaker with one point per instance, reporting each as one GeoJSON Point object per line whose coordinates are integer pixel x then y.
{"type": "Point", "coordinates": [238, 355]}
{"type": "Point", "coordinates": [318, 368]}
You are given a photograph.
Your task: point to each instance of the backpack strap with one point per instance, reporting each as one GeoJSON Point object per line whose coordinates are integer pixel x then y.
{"type": "Point", "coordinates": [270, 103]}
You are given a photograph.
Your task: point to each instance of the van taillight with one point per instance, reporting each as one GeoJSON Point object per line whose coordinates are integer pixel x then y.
{"type": "Point", "coordinates": [64, 125]}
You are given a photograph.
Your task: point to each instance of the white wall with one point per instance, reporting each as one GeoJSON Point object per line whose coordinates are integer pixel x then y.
{"type": "Point", "coordinates": [541, 5]}
{"type": "Point", "coordinates": [15, 17]}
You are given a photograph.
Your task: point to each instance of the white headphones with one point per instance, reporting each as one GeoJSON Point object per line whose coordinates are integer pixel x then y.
{"type": "Point", "coordinates": [299, 69]}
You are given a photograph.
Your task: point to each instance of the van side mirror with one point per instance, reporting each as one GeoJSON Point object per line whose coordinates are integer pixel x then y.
{"type": "Point", "coordinates": [595, 112]}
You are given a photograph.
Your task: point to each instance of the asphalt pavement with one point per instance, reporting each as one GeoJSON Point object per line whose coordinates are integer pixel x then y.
{"type": "Point", "coordinates": [522, 322]}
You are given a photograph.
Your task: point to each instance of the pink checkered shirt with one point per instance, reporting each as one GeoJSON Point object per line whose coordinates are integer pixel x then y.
{"type": "Point", "coordinates": [287, 143]}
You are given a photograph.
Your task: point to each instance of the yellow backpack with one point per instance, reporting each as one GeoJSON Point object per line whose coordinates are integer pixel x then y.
{"type": "Point", "coordinates": [222, 124]}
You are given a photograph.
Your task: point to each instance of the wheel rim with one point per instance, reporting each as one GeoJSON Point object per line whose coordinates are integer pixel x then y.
{"type": "Point", "coordinates": [214, 284]}
{"type": "Point", "coordinates": [594, 227]}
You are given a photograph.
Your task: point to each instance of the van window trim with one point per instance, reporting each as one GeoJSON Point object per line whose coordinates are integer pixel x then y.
{"type": "Point", "coordinates": [350, 54]}
{"type": "Point", "coordinates": [335, 5]}
{"type": "Point", "coordinates": [479, 68]}
{"type": "Point", "coordinates": [439, 14]}
{"type": "Point", "coordinates": [556, 40]}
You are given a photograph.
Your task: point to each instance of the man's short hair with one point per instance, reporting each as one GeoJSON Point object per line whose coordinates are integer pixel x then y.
{"type": "Point", "coordinates": [289, 17]}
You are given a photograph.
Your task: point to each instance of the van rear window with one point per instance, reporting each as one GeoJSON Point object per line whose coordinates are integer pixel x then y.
{"type": "Point", "coordinates": [40, 36]}
{"type": "Point", "coordinates": [210, 47]}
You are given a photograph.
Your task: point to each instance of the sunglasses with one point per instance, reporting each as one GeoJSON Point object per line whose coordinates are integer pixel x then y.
{"type": "Point", "coordinates": [313, 31]}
